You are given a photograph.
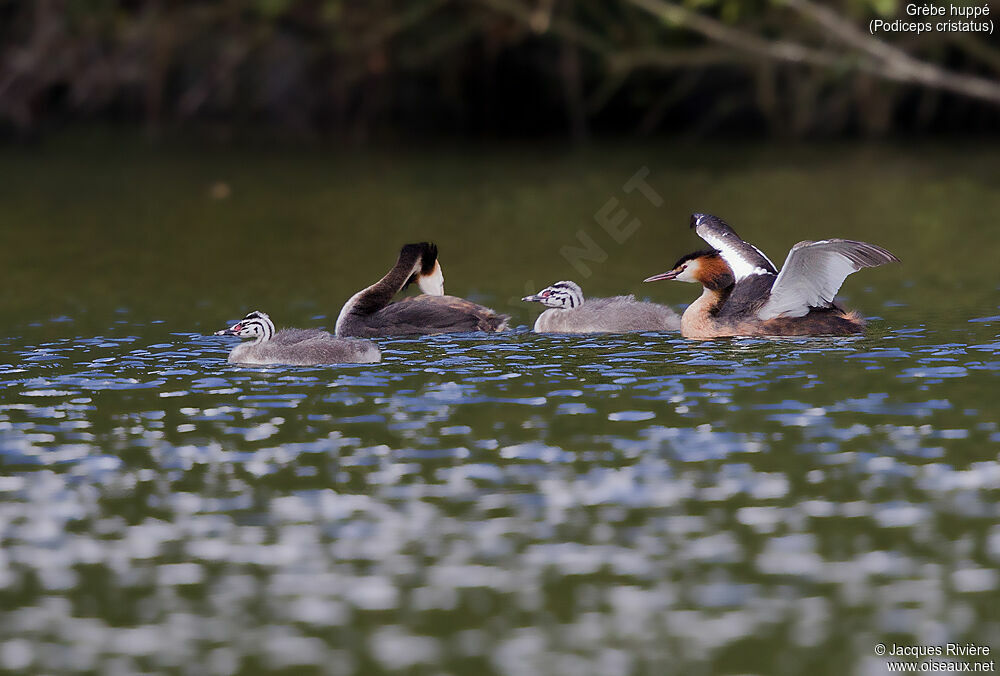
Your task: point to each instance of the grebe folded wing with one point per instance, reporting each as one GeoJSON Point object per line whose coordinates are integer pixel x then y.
{"type": "Point", "coordinates": [438, 314]}
{"type": "Point", "coordinates": [743, 257]}
{"type": "Point", "coordinates": [813, 273]}
{"type": "Point", "coordinates": [294, 336]}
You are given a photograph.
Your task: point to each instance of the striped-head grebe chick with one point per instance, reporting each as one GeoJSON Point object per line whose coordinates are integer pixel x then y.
{"type": "Point", "coordinates": [371, 312]}
{"type": "Point", "coordinates": [297, 347]}
{"type": "Point", "coordinates": [745, 295]}
{"type": "Point", "coordinates": [569, 312]}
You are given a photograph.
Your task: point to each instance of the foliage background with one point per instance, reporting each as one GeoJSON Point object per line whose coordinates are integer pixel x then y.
{"type": "Point", "coordinates": [363, 69]}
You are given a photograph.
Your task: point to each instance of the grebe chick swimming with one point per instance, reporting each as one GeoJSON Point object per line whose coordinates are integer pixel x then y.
{"type": "Point", "coordinates": [297, 347]}
{"type": "Point", "coordinates": [569, 312]}
{"type": "Point", "coordinates": [745, 295]}
{"type": "Point", "coordinates": [371, 312]}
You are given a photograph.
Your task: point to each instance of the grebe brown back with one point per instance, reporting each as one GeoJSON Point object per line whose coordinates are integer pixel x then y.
{"type": "Point", "coordinates": [298, 347]}
{"type": "Point", "coordinates": [745, 295]}
{"type": "Point", "coordinates": [371, 312]}
{"type": "Point", "coordinates": [569, 312]}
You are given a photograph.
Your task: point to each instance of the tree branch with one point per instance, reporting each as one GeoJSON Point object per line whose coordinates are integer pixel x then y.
{"type": "Point", "coordinates": [558, 24]}
{"type": "Point", "coordinates": [897, 64]}
{"type": "Point", "coordinates": [781, 50]}
{"type": "Point", "coordinates": [395, 24]}
{"type": "Point", "coordinates": [872, 56]}
{"type": "Point", "coordinates": [670, 59]}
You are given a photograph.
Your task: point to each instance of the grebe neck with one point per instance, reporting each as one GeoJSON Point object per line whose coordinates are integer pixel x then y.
{"type": "Point", "coordinates": [700, 316]}
{"type": "Point", "coordinates": [378, 295]}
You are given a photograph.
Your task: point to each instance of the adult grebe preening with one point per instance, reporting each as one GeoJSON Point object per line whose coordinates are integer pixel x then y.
{"type": "Point", "coordinates": [297, 347]}
{"type": "Point", "coordinates": [744, 295]}
{"type": "Point", "coordinates": [371, 312]}
{"type": "Point", "coordinates": [570, 313]}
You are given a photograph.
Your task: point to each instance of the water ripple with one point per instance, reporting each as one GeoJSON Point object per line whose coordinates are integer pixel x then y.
{"type": "Point", "coordinates": [616, 494]}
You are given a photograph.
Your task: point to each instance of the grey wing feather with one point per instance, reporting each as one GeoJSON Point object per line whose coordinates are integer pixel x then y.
{"type": "Point", "coordinates": [813, 273]}
{"type": "Point", "coordinates": [747, 296]}
{"type": "Point", "coordinates": [292, 336]}
{"type": "Point", "coordinates": [312, 347]}
{"type": "Point", "coordinates": [436, 314]}
{"type": "Point", "coordinates": [326, 349]}
{"type": "Point", "coordinates": [619, 314]}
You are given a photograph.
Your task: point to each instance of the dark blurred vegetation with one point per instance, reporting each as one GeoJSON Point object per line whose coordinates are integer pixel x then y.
{"type": "Point", "coordinates": [355, 69]}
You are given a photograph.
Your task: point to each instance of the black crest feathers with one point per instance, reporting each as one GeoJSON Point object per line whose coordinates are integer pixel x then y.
{"type": "Point", "coordinates": [696, 254]}
{"type": "Point", "coordinates": [425, 252]}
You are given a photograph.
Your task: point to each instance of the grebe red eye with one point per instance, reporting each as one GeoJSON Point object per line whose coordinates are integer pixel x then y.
{"type": "Point", "coordinates": [546, 294]}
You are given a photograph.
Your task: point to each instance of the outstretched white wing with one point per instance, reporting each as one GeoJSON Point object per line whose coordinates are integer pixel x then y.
{"type": "Point", "coordinates": [813, 273]}
{"type": "Point", "coordinates": [743, 257]}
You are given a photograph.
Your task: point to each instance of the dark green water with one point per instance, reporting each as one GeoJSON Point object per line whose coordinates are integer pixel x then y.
{"type": "Point", "coordinates": [512, 504]}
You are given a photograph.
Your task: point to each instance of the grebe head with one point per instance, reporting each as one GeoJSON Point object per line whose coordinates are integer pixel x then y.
{"type": "Point", "coordinates": [255, 325]}
{"type": "Point", "coordinates": [562, 295]}
{"type": "Point", "coordinates": [705, 267]}
{"type": "Point", "coordinates": [427, 268]}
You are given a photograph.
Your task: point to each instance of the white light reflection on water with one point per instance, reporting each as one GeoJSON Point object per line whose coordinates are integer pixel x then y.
{"type": "Point", "coordinates": [514, 504]}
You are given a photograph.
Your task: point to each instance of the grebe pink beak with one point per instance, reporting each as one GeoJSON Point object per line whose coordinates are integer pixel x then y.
{"type": "Point", "coordinates": [231, 331]}
{"type": "Point", "coordinates": [537, 297]}
{"type": "Point", "coordinates": [669, 274]}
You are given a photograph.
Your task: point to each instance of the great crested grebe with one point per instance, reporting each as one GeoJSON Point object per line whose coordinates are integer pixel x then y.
{"type": "Point", "coordinates": [297, 347]}
{"type": "Point", "coordinates": [371, 312]}
{"type": "Point", "coordinates": [569, 313]}
{"type": "Point", "coordinates": [744, 295]}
